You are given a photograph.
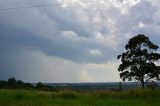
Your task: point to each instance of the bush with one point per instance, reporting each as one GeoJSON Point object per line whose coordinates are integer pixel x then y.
{"type": "Point", "coordinates": [19, 96]}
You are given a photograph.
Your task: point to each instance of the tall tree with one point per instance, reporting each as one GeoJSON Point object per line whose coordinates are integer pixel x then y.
{"type": "Point", "coordinates": [138, 62]}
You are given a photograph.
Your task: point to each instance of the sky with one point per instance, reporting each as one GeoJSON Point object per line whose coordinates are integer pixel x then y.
{"type": "Point", "coordinates": [71, 40]}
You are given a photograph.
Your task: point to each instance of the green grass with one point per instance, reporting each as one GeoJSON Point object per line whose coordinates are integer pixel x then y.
{"type": "Point", "coordinates": [132, 97]}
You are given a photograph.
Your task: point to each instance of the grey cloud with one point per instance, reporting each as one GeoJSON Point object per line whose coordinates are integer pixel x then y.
{"type": "Point", "coordinates": [24, 32]}
{"type": "Point", "coordinates": [41, 28]}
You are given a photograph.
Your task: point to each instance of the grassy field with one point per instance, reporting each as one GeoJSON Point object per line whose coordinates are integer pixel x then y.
{"type": "Point", "coordinates": [134, 97]}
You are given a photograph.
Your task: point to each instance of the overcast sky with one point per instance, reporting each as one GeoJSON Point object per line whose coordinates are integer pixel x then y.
{"type": "Point", "coordinates": [76, 42]}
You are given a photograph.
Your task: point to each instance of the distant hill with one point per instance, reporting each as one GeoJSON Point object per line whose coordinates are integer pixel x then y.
{"type": "Point", "coordinates": [103, 86]}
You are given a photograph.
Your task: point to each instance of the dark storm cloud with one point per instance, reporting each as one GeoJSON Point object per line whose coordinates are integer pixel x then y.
{"type": "Point", "coordinates": [41, 28]}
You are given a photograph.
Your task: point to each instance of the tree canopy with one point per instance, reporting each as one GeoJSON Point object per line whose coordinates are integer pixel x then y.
{"type": "Point", "coordinates": [138, 62]}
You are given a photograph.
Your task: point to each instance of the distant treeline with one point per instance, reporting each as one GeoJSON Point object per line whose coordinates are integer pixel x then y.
{"type": "Point", "coordinates": [12, 83]}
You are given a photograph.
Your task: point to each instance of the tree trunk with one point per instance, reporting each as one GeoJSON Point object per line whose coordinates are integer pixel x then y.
{"type": "Point", "coordinates": [142, 82]}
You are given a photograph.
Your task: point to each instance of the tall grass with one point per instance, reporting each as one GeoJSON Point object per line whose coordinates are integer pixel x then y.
{"type": "Point", "coordinates": [132, 97]}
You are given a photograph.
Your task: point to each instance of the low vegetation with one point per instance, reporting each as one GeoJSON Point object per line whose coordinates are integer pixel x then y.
{"type": "Point", "coordinates": [132, 97]}
{"type": "Point", "coordinates": [17, 93]}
